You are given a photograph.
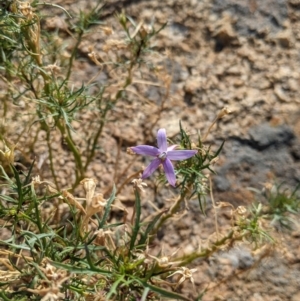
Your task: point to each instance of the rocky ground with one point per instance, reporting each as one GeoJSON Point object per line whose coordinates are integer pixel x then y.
{"type": "Point", "coordinates": [214, 53]}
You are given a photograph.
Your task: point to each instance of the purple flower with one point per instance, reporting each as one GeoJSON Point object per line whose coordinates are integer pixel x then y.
{"type": "Point", "coordinates": [163, 155]}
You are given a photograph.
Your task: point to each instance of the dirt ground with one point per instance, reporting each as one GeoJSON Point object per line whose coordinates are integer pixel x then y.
{"type": "Point", "coordinates": [243, 54]}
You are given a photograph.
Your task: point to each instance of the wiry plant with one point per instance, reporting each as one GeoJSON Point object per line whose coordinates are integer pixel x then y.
{"type": "Point", "coordinates": [279, 204]}
{"type": "Point", "coordinates": [84, 255]}
{"type": "Point", "coordinates": [63, 247]}
{"type": "Point", "coordinates": [47, 86]}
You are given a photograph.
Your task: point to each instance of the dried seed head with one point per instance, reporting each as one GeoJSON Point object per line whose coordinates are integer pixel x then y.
{"type": "Point", "coordinates": [50, 289]}
{"type": "Point", "coordinates": [223, 112]}
{"type": "Point", "coordinates": [31, 31]}
{"type": "Point", "coordinates": [107, 30]}
{"type": "Point", "coordinates": [165, 261]}
{"type": "Point", "coordinates": [102, 236]}
{"type": "Point", "coordinates": [53, 69]}
{"type": "Point", "coordinates": [139, 185]}
{"type": "Point", "coordinates": [241, 210]}
{"type": "Point", "coordinates": [143, 32]}
{"type": "Point", "coordinates": [186, 274]}
{"type": "Point", "coordinates": [98, 202]}
{"type": "Point", "coordinates": [8, 154]}
{"type": "Point", "coordinates": [129, 151]}
{"type": "Point", "coordinates": [72, 201]}
{"type": "Point", "coordinates": [36, 180]}
{"type": "Point", "coordinates": [26, 9]}
{"type": "Point", "coordinates": [51, 189]}
{"type": "Point", "coordinates": [94, 57]}
{"type": "Point", "coordinates": [96, 205]}
{"type": "Point", "coordinates": [89, 185]}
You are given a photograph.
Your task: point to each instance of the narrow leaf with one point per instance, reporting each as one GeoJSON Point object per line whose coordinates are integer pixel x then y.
{"type": "Point", "coordinates": [79, 270]}
{"type": "Point", "coordinates": [163, 292]}
{"type": "Point", "coordinates": [137, 223]}
{"type": "Point", "coordinates": [108, 207]}
{"type": "Point", "coordinates": [150, 227]}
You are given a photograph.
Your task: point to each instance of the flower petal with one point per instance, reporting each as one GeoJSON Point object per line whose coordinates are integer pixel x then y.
{"type": "Point", "coordinates": [146, 150]}
{"type": "Point", "coordinates": [162, 140]}
{"type": "Point", "coordinates": [181, 154]}
{"type": "Point", "coordinates": [172, 147]}
{"type": "Point", "coordinates": [151, 168]}
{"type": "Point", "coordinates": [169, 171]}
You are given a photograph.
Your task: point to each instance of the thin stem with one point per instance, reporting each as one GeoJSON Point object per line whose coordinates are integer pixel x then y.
{"type": "Point", "coordinates": [55, 5]}
{"type": "Point", "coordinates": [52, 169]}
{"type": "Point", "coordinates": [220, 115]}
{"type": "Point", "coordinates": [215, 207]}
{"type": "Point", "coordinates": [75, 151]}
{"type": "Point", "coordinates": [95, 141]}
{"type": "Point", "coordinates": [74, 52]}
{"type": "Point", "coordinates": [171, 212]}
{"type": "Point", "coordinates": [209, 251]}
{"type": "Point", "coordinates": [76, 154]}
{"type": "Point", "coordinates": [136, 174]}
{"type": "Point", "coordinates": [2, 295]}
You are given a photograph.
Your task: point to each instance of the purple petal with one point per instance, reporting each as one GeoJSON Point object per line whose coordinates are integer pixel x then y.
{"type": "Point", "coordinates": [162, 140]}
{"type": "Point", "coordinates": [146, 150]}
{"type": "Point", "coordinates": [172, 147]}
{"type": "Point", "coordinates": [169, 171]}
{"type": "Point", "coordinates": [151, 168]}
{"type": "Point", "coordinates": [181, 154]}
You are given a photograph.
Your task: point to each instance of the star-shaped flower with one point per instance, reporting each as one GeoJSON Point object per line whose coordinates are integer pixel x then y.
{"type": "Point", "coordinates": [163, 155]}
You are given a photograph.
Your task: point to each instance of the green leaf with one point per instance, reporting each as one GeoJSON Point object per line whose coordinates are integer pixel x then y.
{"type": "Point", "coordinates": [19, 186]}
{"type": "Point", "coordinates": [137, 222]}
{"type": "Point", "coordinates": [219, 150]}
{"type": "Point", "coordinates": [79, 270]}
{"type": "Point", "coordinates": [201, 203]}
{"type": "Point", "coordinates": [163, 292]}
{"type": "Point", "coordinates": [150, 227]}
{"type": "Point", "coordinates": [21, 247]}
{"type": "Point", "coordinates": [113, 289]}
{"type": "Point", "coordinates": [108, 207]}
{"type": "Point", "coordinates": [28, 176]}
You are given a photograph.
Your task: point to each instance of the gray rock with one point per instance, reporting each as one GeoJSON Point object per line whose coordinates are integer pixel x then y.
{"type": "Point", "coordinates": [254, 18]}
{"type": "Point", "coordinates": [264, 136]}
{"type": "Point", "coordinates": [270, 152]}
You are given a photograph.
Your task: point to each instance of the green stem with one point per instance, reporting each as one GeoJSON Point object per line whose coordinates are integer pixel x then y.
{"type": "Point", "coordinates": [75, 152]}
{"type": "Point", "coordinates": [209, 251]}
{"type": "Point", "coordinates": [171, 212]}
{"type": "Point", "coordinates": [109, 105]}
{"type": "Point", "coordinates": [3, 296]}
{"type": "Point", "coordinates": [46, 128]}
{"type": "Point", "coordinates": [37, 213]}
{"type": "Point", "coordinates": [79, 172]}
{"type": "Point", "coordinates": [95, 141]}
{"type": "Point", "coordinates": [73, 55]}
{"type": "Point", "coordinates": [51, 160]}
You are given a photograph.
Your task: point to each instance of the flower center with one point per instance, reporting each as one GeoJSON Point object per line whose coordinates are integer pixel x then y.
{"type": "Point", "coordinates": [162, 156]}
